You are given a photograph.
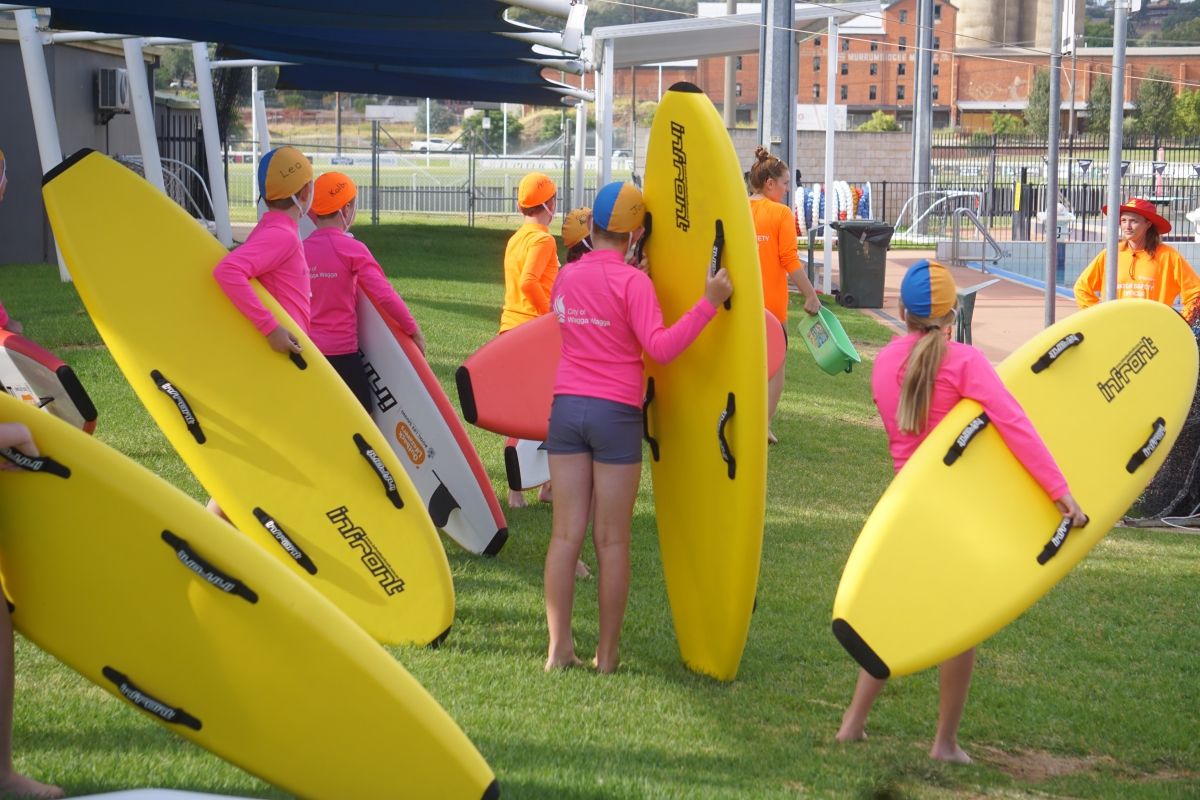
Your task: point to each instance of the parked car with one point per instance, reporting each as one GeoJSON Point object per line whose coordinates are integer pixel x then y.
{"type": "Point", "coordinates": [434, 145]}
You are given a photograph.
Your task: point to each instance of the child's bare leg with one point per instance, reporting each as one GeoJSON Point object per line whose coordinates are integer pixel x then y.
{"type": "Point", "coordinates": [213, 508]}
{"type": "Point", "coordinates": [854, 721]}
{"type": "Point", "coordinates": [572, 474]}
{"type": "Point", "coordinates": [955, 681]}
{"type": "Point", "coordinates": [774, 392]}
{"type": "Point", "coordinates": [13, 783]}
{"type": "Point", "coordinates": [616, 488]}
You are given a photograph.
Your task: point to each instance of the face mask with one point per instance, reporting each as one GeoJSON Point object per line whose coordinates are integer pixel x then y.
{"type": "Point", "coordinates": [347, 222]}
{"type": "Point", "coordinates": [303, 208]}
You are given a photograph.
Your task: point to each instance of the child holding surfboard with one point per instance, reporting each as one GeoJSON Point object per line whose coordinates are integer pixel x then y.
{"type": "Point", "coordinates": [917, 379]}
{"type": "Point", "coordinates": [16, 436]}
{"type": "Point", "coordinates": [775, 226]}
{"type": "Point", "coordinates": [608, 315]}
{"type": "Point", "coordinates": [530, 267]}
{"type": "Point", "coordinates": [338, 266]}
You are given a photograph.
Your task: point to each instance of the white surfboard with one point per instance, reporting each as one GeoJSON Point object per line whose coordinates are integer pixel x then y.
{"type": "Point", "coordinates": [526, 463]}
{"type": "Point", "coordinates": [414, 413]}
{"type": "Point", "coordinates": [36, 376]}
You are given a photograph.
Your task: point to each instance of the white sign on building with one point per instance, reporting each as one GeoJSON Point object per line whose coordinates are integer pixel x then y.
{"type": "Point", "coordinates": [812, 117]}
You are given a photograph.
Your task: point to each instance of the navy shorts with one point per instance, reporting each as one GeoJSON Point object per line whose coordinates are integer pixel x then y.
{"type": "Point", "coordinates": [352, 370]}
{"type": "Point", "coordinates": [610, 431]}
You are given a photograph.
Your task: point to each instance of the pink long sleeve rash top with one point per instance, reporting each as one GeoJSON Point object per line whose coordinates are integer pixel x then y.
{"type": "Point", "coordinates": [608, 315]}
{"type": "Point", "coordinates": [272, 254]}
{"type": "Point", "coordinates": [964, 372]}
{"type": "Point", "coordinates": [339, 265]}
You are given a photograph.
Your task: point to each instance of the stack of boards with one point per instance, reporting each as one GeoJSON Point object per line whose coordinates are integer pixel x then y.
{"type": "Point", "coordinates": [280, 442]}
{"type": "Point", "coordinates": [964, 541]}
{"type": "Point", "coordinates": [36, 376]}
{"type": "Point", "coordinates": [135, 586]}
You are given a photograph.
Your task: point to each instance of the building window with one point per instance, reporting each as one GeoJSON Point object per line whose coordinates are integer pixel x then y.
{"type": "Point", "coordinates": [816, 63]}
{"type": "Point", "coordinates": [816, 91]}
{"type": "Point", "coordinates": [935, 92]}
{"type": "Point", "coordinates": [845, 70]}
{"type": "Point", "coordinates": [845, 92]}
{"type": "Point", "coordinates": [845, 44]}
{"type": "Point", "coordinates": [874, 69]}
{"type": "Point", "coordinates": [903, 17]}
{"type": "Point", "coordinates": [817, 42]}
{"type": "Point", "coordinates": [737, 90]}
{"type": "Point", "coordinates": [937, 43]}
{"type": "Point", "coordinates": [900, 68]}
{"type": "Point", "coordinates": [937, 12]}
{"type": "Point", "coordinates": [903, 42]}
{"type": "Point", "coordinates": [871, 92]}
{"type": "Point", "coordinates": [935, 68]}
{"type": "Point", "coordinates": [900, 91]}
{"type": "Point", "coordinates": [874, 46]}
{"type": "Point", "coordinates": [739, 62]}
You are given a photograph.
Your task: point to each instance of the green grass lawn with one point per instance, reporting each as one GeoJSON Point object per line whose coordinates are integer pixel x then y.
{"type": "Point", "coordinates": [1095, 692]}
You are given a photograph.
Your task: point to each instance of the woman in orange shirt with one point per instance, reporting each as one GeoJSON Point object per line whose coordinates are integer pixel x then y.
{"type": "Point", "coordinates": [778, 258]}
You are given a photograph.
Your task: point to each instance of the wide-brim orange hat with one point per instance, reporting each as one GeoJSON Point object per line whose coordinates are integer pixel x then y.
{"type": "Point", "coordinates": [577, 226]}
{"type": "Point", "coordinates": [332, 192]}
{"type": "Point", "coordinates": [1144, 208]}
{"type": "Point", "coordinates": [535, 189]}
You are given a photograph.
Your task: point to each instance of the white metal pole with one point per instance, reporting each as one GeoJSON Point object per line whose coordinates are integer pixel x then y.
{"type": "Point", "coordinates": [1116, 119]}
{"type": "Point", "coordinates": [41, 102]}
{"type": "Point", "coordinates": [143, 113]}
{"type": "Point", "coordinates": [212, 144]}
{"type": "Point", "coordinates": [1051, 227]}
{"type": "Point", "coordinates": [581, 133]}
{"type": "Point", "coordinates": [605, 123]}
{"type": "Point", "coordinates": [428, 103]}
{"type": "Point", "coordinates": [831, 72]}
{"type": "Point", "coordinates": [504, 144]}
{"type": "Point", "coordinates": [254, 151]}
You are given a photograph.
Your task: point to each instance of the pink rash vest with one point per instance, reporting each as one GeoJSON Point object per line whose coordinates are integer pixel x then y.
{"type": "Point", "coordinates": [272, 254]}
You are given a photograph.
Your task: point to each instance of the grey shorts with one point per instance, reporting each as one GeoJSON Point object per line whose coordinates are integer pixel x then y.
{"type": "Point", "coordinates": [610, 431]}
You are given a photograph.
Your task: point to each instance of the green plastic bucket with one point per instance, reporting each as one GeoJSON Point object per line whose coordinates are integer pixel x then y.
{"type": "Point", "coordinates": [826, 339]}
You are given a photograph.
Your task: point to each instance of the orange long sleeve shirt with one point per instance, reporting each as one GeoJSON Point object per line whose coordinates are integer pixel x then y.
{"type": "Point", "coordinates": [1162, 277]}
{"type": "Point", "coordinates": [777, 256]}
{"type": "Point", "coordinates": [530, 266]}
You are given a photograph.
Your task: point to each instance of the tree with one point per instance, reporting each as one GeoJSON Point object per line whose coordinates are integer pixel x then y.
{"type": "Point", "coordinates": [1099, 106]}
{"type": "Point", "coordinates": [441, 119]}
{"type": "Point", "coordinates": [1187, 113]}
{"type": "Point", "coordinates": [176, 69]}
{"type": "Point", "coordinates": [1097, 34]}
{"type": "Point", "coordinates": [1037, 109]}
{"type": "Point", "coordinates": [1007, 124]}
{"type": "Point", "coordinates": [493, 135]}
{"type": "Point", "coordinates": [1155, 105]}
{"type": "Point", "coordinates": [880, 121]}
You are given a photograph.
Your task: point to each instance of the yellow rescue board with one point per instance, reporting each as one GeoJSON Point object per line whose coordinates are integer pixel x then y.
{"type": "Point", "coordinates": [134, 585]}
{"type": "Point", "coordinates": [706, 410]}
{"type": "Point", "coordinates": [955, 551]}
{"type": "Point", "coordinates": [287, 452]}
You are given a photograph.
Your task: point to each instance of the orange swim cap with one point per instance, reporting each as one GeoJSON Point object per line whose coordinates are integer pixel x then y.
{"type": "Point", "coordinates": [332, 192]}
{"type": "Point", "coordinates": [535, 188]}
{"type": "Point", "coordinates": [576, 226]}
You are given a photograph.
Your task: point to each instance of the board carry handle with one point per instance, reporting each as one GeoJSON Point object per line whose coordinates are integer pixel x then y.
{"type": "Point", "coordinates": [35, 463]}
{"type": "Point", "coordinates": [640, 248]}
{"type": "Point", "coordinates": [1061, 346]}
{"type": "Point", "coordinates": [298, 360]}
{"type": "Point", "coordinates": [1057, 540]}
{"type": "Point", "coordinates": [169, 714]}
{"type": "Point", "coordinates": [390, 487]}
{"type": "Point", "coordinates": [971, 430]}
{"type": "Point", "coordinates": [285, 541]}
{"type": "Point", "coordinates": [185, 408]}
{"type": "Point", "coordinates": [650, 440]}
{"type": "Point", "coordinates": [206, 571]}
{"type": "Point", "coordinates": [1143, 453]}
{"type": "Point", "coordinates": [726, 452]}
{"type": "Point", "coordinates": [714, 263]}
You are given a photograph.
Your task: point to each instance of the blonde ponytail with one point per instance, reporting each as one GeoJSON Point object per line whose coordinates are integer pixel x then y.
{"type": "Point", "coordinates": [920, 371]}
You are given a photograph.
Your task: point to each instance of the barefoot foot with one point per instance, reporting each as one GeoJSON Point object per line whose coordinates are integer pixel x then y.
{"type": "Point", "coordinates": [557, 663]}
{"type": "Point", "coordinates": [605, 666]}
{"type": "Point", "coordinates": [581, 571]}
{"type": "Point", "coordinates": [516, 499]}
{"type": "Point", "coordinates": [952, 754]}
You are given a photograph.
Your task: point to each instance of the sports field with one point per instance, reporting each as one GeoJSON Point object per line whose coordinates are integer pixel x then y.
{"type": "Point", "coordinates": [1095, 692]}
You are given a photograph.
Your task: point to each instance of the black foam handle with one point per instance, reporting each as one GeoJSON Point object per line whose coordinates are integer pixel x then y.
{"type": "Point", "coordinates": [298, 360]}
{"type": "Point", "coordinates": [718, 249]}
{"type": "Point", "coordinates": [726, 452]}
{"type": "Point", "coordinates": [650, 440]}
{"type": "Point", "coordinates": [206, 571]}
{"type": "Point", "coordinates": [1056, 541]}
{"type": "Point", "coordinates": [369, 454]}
{"type": "Point", "coordinates": [1143, 453]}
{"type": "Point", "coordinates": [968, 434]}
{"type": "Point", "coordinates": [640, 247]}
{"type": "Point", "coordinates": [35, 463]}
{"type": "Point", "coordinates": [285, 541]}
{"type": "Point", "coordinates": [181, 403]}
{"type": "Point", "coordinates": [1064, 344]}
{"type": "Point", "coordinates": [172, 715]}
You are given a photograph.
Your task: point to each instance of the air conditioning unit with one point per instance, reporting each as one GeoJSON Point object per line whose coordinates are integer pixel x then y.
{"type": "Point", "coordinates": [112, 91]}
